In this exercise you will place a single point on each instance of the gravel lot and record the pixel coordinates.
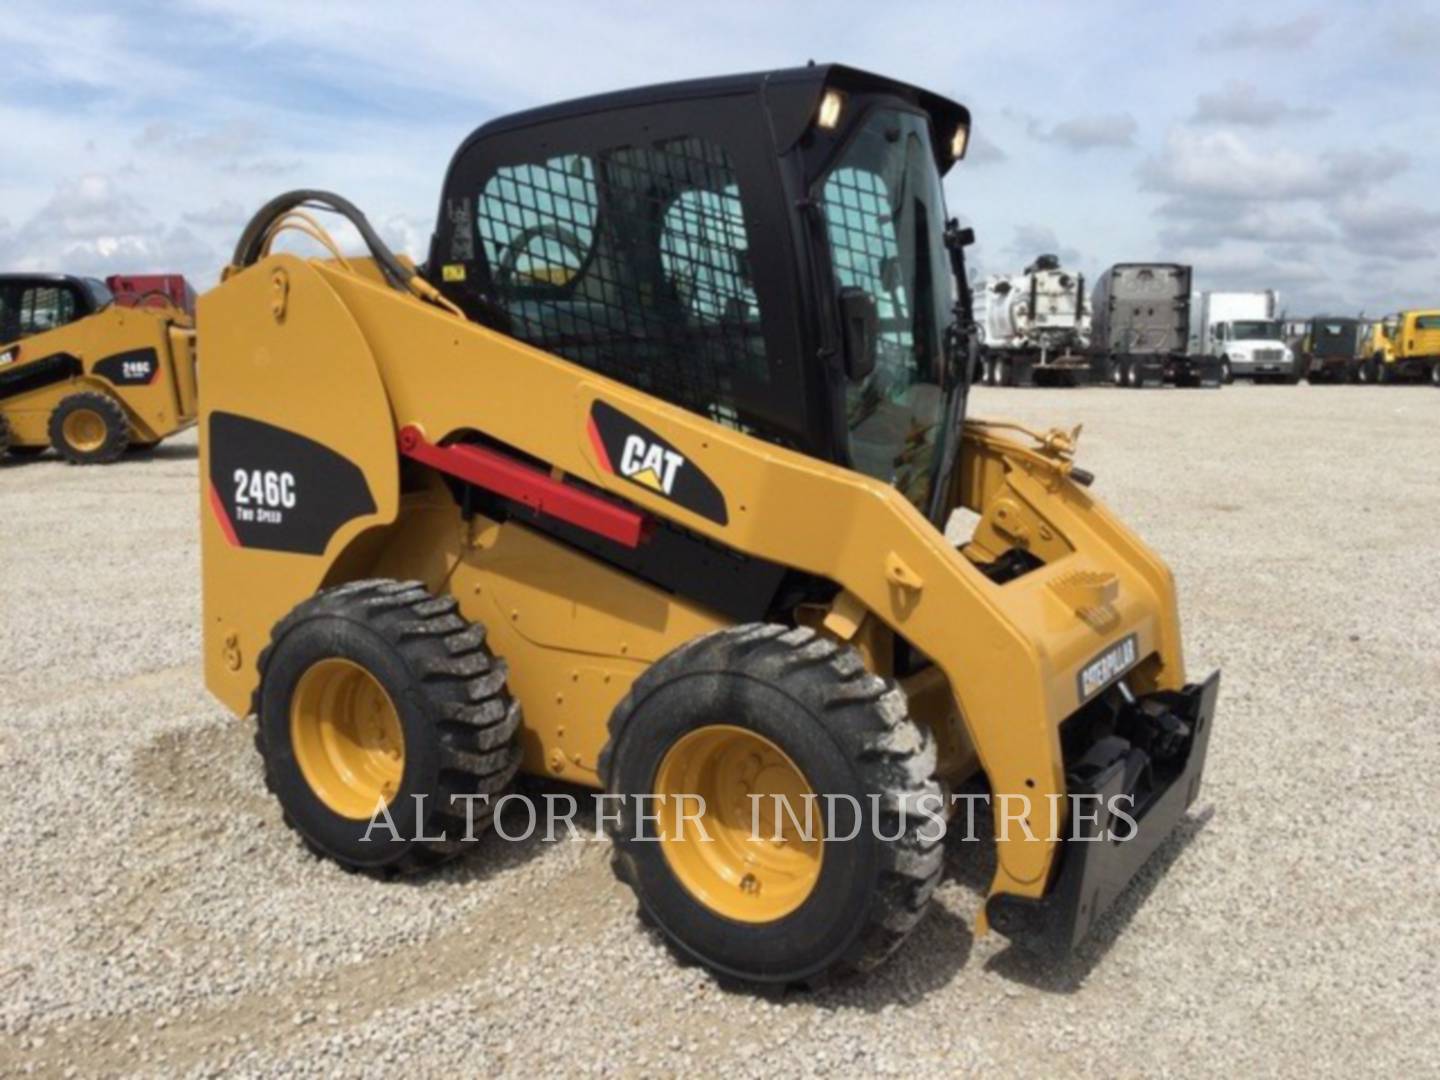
(159, 918)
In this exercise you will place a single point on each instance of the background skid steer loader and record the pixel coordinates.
(86, 375)
(659, 446)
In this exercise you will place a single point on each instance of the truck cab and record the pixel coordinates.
(1254, 348)
(1402, 347)
(1329, 348)
(1242, 332)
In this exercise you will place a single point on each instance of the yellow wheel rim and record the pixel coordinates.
(747, 874)
(84, 430)
(347, 738)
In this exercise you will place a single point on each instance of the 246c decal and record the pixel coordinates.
(138, 367)
(629, 449)
(279, 491)
(264, 494)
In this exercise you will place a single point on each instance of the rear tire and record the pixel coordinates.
(89, 428)
(1435, 374)
(357, 672)
(845, 732)
(1134, 375)
(1366, 371)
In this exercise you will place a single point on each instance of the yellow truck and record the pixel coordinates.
(1400, 347)
(87, 375)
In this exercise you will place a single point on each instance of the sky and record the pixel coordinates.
(1285, 146)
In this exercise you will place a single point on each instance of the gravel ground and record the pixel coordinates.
(158, 918)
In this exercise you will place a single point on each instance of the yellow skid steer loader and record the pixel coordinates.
(641, 483)
(87, 376)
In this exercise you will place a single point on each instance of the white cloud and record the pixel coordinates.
(1089, 132)
(1241, 103)
(91, 226)
(1032, 240)
(1223, 165)
(1388, 229)
(1293, 33)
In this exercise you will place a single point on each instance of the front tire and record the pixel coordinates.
(89, 428)
(764, 709)
(1435, 374)
(372, 694)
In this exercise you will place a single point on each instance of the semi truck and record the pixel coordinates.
(1400, 347)
(1329, 348)
(1244, 335)
(1140, 334)
(1036, 327)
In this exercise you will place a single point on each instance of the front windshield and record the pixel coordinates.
(885, 214)
(1335, 338)
(1256, 331)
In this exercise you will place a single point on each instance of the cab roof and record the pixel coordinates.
(791, 95)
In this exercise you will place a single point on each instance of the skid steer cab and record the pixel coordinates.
(87, 376)
(640, 483)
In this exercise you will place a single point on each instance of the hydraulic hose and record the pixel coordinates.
(252, 241)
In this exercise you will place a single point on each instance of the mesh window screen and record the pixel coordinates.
(634, 263)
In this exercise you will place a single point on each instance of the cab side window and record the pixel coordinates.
(537, 224)
(39, 308)
(633, 261)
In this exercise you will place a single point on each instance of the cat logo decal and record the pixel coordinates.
(626, 448)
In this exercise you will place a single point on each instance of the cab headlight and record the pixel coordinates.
(959, 141)
(831, 105)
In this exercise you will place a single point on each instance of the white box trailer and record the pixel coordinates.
(1243, 331)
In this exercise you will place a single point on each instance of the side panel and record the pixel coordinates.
(574, 631)
(297, 457)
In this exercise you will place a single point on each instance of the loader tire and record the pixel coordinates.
(375, 693)
(89, 428)
(766, 709)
